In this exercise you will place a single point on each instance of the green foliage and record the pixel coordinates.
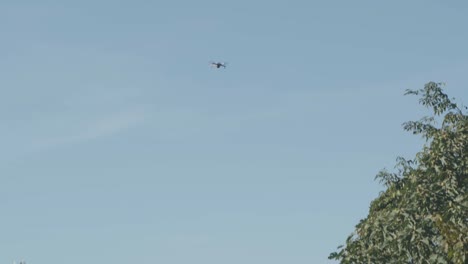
(422, 216)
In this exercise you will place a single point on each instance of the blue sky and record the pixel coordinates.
(119, 144)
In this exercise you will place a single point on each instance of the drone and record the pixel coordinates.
(218, 65)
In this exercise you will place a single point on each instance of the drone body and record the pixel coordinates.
(218, 65)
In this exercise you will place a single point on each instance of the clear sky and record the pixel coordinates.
(119, 144)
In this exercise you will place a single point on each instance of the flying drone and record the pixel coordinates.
(218, 65)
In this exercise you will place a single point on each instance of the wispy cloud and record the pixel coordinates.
(91, 130)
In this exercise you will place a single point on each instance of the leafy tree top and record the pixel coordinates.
(422, 216)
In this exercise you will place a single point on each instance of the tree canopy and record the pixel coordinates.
(422, 215)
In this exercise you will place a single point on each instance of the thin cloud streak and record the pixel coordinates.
(103, 127)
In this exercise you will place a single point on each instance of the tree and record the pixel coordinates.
(422, 216)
